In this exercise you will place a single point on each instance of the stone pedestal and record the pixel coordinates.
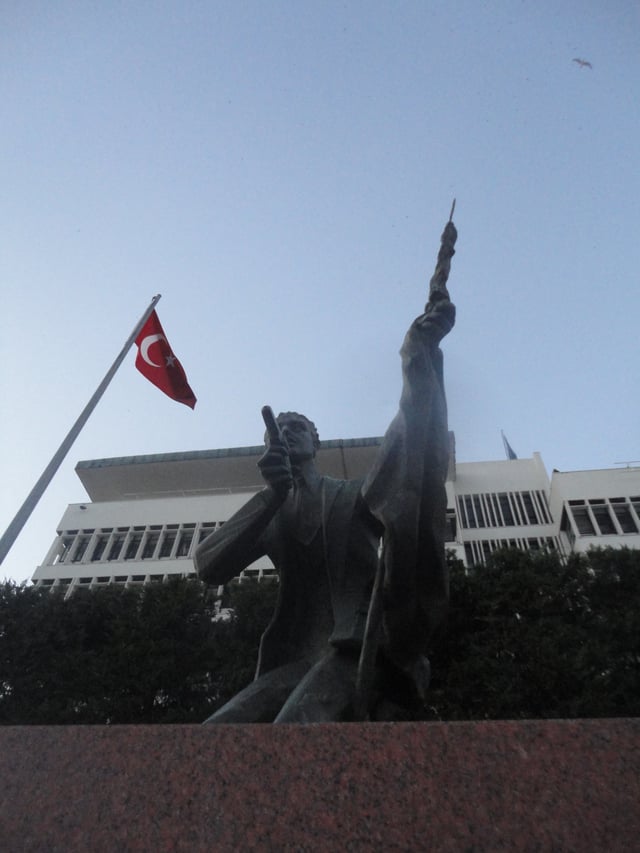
(538, 785)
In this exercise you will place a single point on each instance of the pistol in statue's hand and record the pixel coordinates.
(274, 464)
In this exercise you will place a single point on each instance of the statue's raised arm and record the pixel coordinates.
(405, 491)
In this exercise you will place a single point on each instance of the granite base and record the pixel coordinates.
(531, 785)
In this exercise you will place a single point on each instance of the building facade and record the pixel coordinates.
(146, 514)
(600, 507)
(501, 504)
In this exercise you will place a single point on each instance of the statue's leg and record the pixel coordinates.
(261, 700)
(326, 693)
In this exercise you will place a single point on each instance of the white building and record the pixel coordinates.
(498, 504)
(146, 514)
(599, 507)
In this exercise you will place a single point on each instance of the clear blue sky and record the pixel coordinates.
(281, 173)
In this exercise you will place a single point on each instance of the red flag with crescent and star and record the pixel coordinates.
(156, 361)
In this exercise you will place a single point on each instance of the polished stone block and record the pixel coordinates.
(528, 785)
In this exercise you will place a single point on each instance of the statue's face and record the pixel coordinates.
(298, 436)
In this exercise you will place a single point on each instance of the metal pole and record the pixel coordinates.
(13, 530)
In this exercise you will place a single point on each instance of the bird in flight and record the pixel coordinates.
(583, 63)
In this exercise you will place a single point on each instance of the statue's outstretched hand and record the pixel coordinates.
(274, 464)
(275, 468)
(449, 237)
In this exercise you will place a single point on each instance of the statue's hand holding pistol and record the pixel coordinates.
(275, 464)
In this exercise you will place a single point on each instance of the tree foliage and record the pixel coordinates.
(527, 636)
(158, 653)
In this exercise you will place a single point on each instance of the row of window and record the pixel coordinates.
(601, 517)
(476, 552)
(69, 585)
(63, 583)
(598, 516)
(503, 509)
(152, 542)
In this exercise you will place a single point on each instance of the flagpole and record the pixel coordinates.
(13, 530)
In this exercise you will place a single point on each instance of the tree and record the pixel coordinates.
(151, 654)
(251, 604)
(529, 636)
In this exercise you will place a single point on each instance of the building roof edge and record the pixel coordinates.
(216, 453)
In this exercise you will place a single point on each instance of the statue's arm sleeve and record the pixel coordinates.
(416, 445)
(234, 546)
(405, 491)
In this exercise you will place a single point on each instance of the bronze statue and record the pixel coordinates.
(363, 582)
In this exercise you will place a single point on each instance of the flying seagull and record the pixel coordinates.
(583, 63)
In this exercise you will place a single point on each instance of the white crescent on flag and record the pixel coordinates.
(146, 343)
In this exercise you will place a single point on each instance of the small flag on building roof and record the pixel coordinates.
(511, 454)
(156, 361)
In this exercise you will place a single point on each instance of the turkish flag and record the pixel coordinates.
(156, 361)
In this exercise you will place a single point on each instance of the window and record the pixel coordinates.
(132, 547)
(101, 544)
(116, 545)
(206, 528)
(505, 507)
(461, 512)
(516, 501)
(150, 542)
(529, 508)
(492, 510)
(168, 541)
(65, 547)
(625, 519)
(184, 540)
(468, 505)
(583, 521)
(604, 520)
(545, 515)
(450, 529)
(565, 526)
(81, 547)
(477, 505)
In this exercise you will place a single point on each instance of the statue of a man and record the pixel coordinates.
(340, 588)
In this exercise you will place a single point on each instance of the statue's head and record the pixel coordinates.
(300, 435)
